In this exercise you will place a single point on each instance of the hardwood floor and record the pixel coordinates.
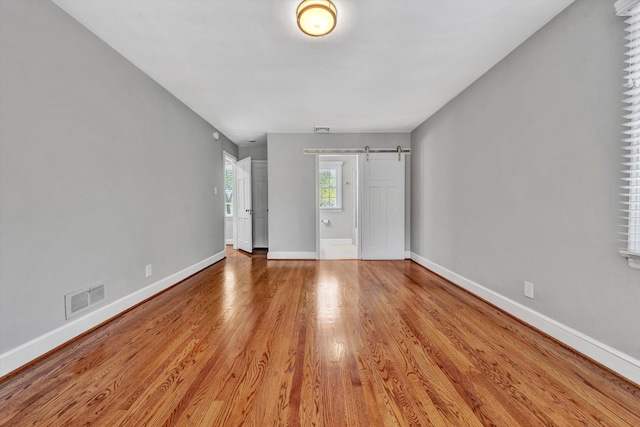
(272, 343)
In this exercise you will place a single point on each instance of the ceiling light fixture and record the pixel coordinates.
(316, 18)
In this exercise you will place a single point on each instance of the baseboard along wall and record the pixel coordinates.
(613, 359)
(27, 352)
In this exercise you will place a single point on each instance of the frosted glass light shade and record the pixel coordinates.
(316, 17)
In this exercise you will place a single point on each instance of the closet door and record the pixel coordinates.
(243, 205)
(260, 204)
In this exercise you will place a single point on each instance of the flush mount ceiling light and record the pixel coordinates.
(316, 18)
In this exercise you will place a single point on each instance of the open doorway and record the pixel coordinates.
(229, 211)
(338, 206)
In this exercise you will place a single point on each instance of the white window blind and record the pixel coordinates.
(631, 139)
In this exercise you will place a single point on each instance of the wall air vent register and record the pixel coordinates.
(82, 300)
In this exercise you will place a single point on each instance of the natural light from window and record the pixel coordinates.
(330, 185)
(228, 189)
(631, 139)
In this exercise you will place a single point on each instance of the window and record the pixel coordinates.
(228, 189)
(330, 185)
(631, 140)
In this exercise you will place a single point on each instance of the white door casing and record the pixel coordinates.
(383, 206)
(244, 205)
(231, 238)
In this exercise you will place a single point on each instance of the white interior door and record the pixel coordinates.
(243, 205)
(260, 204)
(383, 206)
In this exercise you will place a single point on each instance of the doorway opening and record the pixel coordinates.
(338, 206)
(229, 211)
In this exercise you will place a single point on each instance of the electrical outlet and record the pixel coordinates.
(147, 270)
(528, 290)
(215, 190)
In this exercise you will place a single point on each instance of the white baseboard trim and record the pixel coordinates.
(19, 356)
(407, 254)
(613, 359)
(291, 255)
(337, 241)
(228, 242)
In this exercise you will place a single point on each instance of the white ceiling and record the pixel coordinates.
(244, 66)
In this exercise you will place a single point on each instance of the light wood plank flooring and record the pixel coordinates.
(304, 343)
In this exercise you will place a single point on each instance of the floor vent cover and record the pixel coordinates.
(77, 302)
(321, 129)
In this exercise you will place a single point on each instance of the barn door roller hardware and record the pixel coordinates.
(365, 150)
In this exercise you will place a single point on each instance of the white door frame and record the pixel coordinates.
(317, 201)
(357, 200)
(361, 153)
(228, 157)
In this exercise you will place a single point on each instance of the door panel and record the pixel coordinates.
(260, 204)
(383, 206)
(243, 202)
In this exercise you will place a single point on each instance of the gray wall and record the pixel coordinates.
(341, 223)
(517, 178)
(255, 152)
(101, 172)
(229, 146)
(292, 203)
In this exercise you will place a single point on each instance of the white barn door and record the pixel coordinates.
(243, 205)
(383, 206)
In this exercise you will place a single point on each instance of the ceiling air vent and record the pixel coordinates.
(321, 129)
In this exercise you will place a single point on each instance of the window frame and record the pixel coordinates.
(337, 166)
(630, 211)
